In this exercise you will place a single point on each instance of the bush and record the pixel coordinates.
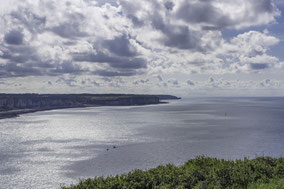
(201, 172)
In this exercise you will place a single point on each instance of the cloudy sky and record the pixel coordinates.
(180, 47)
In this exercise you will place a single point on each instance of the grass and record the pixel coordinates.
(273, 184)
(201, 172)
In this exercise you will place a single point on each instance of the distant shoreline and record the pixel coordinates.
(18, 112)
(14, 105)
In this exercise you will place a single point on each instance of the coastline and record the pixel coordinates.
(18, 112)
(13, 105)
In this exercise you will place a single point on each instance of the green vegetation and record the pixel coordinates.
(201, 172)
(273, 184)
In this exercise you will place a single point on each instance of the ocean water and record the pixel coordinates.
(47, 149)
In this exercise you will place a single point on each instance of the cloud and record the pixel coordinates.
(203, 12)
(141, 81)
(247, 52)
(24, 17)
(190, 83)
(160, 78)
(180, 37)
(14, 37)
(220, 14)
(162, 40)
(121, 46)
(268, 83)
(71, 27)
(71, 81)
(258, 66)
(106, 73)
(112, 61)
(173, 83)
(95, 83)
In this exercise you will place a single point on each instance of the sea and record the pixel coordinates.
(50, 149)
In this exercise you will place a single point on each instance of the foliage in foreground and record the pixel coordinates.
(201, 172)
(273, 184)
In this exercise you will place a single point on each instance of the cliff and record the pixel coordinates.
(167, 97)
(37, 101)
(12, 105)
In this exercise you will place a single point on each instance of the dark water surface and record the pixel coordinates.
(46, 149)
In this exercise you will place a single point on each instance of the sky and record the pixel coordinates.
(180, 47)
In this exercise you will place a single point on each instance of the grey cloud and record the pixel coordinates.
(255, 52)
(141, 81)
(2, 82)
(122, 57)
(265, 83)
(120, 46)
(71, 28)
(112, 61)
(106, 73)
(264, 5)
(14, 37)
(189, 82)
(67, 67)
(103, 2)
(24, 60)
(269, 83)
(68, 30)
(71, 81)
(213, 18)
(203, 12)
(21, 60)
(181, 37)
(21, 54)
(160, 78)
(177, 36)
(95, 83)
(29, 20)
(18, 85)
(258, 66)
(169, 5)
(32, 69)
(106, 79)
(174, 82)
(135, 20)
(18, 70)
(6, 54)
(117, 82)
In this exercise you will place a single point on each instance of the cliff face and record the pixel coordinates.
(167, 97)
(35, 101)
(128, 101)
(8, 103)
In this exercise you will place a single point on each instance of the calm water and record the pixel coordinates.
(46, 149)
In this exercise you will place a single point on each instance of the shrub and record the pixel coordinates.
(201, 172)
